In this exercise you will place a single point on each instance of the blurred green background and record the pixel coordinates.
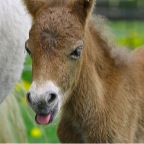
(127, 33)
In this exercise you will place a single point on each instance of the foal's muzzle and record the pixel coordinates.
(44, 101)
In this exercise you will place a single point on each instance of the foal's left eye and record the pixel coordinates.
(76, 53)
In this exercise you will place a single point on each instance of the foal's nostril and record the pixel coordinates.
(28, 97)
(52, 98)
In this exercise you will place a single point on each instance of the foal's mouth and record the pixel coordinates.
(47, 118)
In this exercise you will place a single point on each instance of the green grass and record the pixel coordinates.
(130, 34)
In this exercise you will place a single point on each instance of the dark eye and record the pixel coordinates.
(76, 53)
(28, 51)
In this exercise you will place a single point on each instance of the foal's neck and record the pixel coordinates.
(98, 54)
(99, 72)
(98, 77)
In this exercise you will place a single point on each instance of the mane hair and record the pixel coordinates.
(101, 26)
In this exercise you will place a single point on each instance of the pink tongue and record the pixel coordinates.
(43, 120)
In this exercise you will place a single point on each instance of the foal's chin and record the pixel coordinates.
(46, 117)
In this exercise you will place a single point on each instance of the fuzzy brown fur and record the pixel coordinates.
(105, 100)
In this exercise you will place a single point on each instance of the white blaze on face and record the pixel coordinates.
(40, 90)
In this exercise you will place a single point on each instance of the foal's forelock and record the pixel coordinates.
(63, 3)
(51, 3)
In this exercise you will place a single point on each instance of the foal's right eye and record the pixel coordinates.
(28, 51)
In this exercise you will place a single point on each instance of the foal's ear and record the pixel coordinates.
(34, 6)
(82, 8)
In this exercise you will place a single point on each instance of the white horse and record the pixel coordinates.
(14, 26)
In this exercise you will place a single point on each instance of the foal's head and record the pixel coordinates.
(56, 48)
